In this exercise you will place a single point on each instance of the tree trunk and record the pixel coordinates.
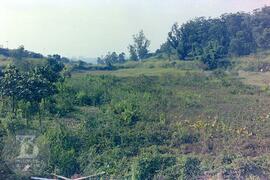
(13, 104)
(14, 110)
(39, 117)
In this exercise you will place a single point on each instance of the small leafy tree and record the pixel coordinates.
(11, 85)
(212, 55)
(36, 88)
(175, 40)
(133, 53)
(121, 57)
(190, 168)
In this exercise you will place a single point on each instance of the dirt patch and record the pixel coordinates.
(255, 78)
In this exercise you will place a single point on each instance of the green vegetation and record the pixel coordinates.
(153, 117)
(169, 123)
(212, 40)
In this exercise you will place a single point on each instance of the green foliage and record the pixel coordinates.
(137, 125)
(29, 89)
(261, 30)
(36, 87)
(145, 120)
(112, 58)
(232, 34)
(83, 99)
(132, 108)
(212, 56)
(51, 71)
(184, 136)
(12, 85)
(139, 50)
(11, 124)
(191, 38)
(148, 164)
(190, 168)
(127, 112)
(63, 150)
(63, 102)
(240, 46)
(93, 90)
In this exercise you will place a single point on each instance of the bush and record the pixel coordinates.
(147, 165)
(219, 73)
(190, 168)
(93, 90)
(184, 136)
(12, 124)
(83, 99)
(64, 101)
(63, 150)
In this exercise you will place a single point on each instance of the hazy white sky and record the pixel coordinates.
(93, 27)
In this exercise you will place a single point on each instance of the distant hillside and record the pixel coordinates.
(85, 59)
(25, 59)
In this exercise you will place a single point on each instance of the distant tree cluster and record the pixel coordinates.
(112, 58)
(138, 51)
(212, 39)
(58, 58)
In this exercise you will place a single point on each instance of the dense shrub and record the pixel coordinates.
(64, 101)
(63, 150)
(184, 135)
(147, 165)
(93, 90)
(190, 168)
(83, 99)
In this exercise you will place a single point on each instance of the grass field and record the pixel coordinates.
(236, 102)
(220, 117)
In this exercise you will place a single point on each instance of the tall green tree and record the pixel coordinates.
(239, 28)
(234, 34)
(261, 27)
(140, 49)
(176, 41)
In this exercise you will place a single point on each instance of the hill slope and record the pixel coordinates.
(154, 119)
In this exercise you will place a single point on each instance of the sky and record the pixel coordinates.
(91, 28)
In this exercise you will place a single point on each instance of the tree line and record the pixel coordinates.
(111, 58)
(211, 40)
